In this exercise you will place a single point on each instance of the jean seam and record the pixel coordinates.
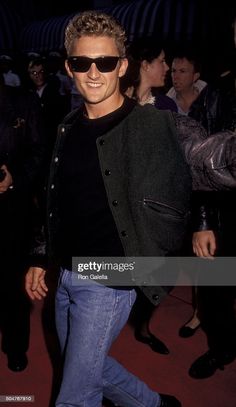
(101, 342)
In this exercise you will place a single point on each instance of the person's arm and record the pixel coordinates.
(204, 223)
(213, 162)
(35, 285)
(27, 168)
(212, 159)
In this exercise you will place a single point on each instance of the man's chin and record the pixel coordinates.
(92, 100)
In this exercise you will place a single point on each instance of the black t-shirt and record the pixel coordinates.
(87, 227)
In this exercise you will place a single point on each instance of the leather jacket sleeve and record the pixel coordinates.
(212, 159)
(204, 211)
(213, 162)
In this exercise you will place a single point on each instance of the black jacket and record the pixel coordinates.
(148, 185)
(22, 150)
(215, 109)
(22, 138)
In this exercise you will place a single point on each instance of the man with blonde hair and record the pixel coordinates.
(118, 187)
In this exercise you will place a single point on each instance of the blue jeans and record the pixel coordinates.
(89, 318)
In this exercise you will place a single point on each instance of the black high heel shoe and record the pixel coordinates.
(155, 344)
(187, 331)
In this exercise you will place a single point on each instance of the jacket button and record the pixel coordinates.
(115, 202)
(107, 172)
(102, 142)
(123, 233)
(155, 297)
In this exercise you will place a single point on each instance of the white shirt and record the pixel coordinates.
(11, 79)
(199, 85)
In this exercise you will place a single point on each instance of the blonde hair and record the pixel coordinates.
(89, 23)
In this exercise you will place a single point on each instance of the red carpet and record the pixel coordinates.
(167, 374)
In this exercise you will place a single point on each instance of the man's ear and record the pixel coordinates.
(196, 76)
(123, 67)
(69, 72)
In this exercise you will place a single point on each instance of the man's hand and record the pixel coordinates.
(7, 182)
(35, 284)
(204, 243)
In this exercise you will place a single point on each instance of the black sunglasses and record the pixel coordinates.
(83, 64)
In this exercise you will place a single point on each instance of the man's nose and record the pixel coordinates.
(93, 71)
(175, 76)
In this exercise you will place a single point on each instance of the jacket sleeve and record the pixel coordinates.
(213, 162)
(212, 159)
(38, 256)
(204, 211)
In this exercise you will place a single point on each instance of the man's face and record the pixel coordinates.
(98, 88)
(183, 74)
(37, 75)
